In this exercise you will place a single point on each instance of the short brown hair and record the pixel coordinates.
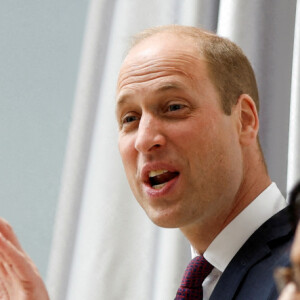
(228, 67)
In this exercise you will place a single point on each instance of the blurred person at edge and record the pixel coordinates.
(291, 276)
(187, 108)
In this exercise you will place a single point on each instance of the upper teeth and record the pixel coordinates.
(157, 172)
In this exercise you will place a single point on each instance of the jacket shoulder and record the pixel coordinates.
(250, 273)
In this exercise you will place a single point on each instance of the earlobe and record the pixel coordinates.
(249, 122)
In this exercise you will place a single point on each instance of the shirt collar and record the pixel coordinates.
(227, 243)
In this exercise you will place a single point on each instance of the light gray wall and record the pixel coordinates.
(40, 44)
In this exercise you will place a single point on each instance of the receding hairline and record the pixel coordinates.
(180, 31)
(187, 31)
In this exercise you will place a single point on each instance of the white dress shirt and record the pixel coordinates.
(227, 243)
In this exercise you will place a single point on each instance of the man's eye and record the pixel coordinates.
(129, 119)
(174, 107)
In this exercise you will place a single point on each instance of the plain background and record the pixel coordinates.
(40, 46)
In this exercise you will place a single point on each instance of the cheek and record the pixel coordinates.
(127, 152)
(194, 138)
(206, 144)
(190, 131)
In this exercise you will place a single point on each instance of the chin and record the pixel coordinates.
(165, 224)
(165, 219)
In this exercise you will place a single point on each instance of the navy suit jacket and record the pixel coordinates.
(249, 275)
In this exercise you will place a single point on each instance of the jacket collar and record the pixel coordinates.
(258, 246)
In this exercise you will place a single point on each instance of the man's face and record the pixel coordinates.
(181, 153)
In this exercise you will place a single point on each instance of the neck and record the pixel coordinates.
(201, 235)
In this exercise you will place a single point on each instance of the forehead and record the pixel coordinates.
(165, 59)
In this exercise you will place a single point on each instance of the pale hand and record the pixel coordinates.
(19, 277)
(289, 293)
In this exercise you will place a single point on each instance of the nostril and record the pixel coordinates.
(146, 141)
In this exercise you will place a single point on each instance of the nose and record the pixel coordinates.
(149, 134)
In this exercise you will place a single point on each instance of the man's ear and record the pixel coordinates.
(248, 119)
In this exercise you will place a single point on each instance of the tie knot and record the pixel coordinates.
(196, 272)
(194, 275)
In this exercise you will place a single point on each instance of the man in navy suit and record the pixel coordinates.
(187, 109)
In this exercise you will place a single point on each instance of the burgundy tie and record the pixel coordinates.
(194, 275)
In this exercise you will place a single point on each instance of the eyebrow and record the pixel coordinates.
(122, 100)
(165, 86)
(169, 86)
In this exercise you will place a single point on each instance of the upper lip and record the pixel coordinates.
(155, 166)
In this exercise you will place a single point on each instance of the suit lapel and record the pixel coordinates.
(258, 246)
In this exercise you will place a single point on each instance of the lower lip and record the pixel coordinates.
(164, 191)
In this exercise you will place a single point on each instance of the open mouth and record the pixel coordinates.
(159, 178)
